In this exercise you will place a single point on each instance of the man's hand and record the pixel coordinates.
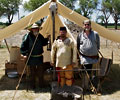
(73, 64)
(52, 64)
(23, 58)
(48, 36)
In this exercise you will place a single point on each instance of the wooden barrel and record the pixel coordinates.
(66, 92)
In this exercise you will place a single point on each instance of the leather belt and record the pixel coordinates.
(94, 57)
(36, 55)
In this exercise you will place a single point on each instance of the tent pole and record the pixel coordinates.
(7, 45)
(53, 0)
(53, 20)
(53, 9)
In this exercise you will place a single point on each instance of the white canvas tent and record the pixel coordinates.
(47, 25)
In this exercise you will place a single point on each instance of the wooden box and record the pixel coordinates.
(10, 67)
(21, 66)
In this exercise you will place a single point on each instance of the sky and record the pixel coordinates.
(22, 12)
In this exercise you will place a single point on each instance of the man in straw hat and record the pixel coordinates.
(63, 57)
(88, 45)
(35, 50)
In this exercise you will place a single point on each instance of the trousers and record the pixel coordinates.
(36, 75)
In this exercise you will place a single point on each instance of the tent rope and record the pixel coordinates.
(25, 67)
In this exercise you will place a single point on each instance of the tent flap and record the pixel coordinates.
(78, 19)
(47, 26)
(26, 21)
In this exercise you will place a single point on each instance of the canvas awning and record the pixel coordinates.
(47, 26)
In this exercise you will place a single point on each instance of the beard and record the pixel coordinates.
(35, 33)
(87, 29)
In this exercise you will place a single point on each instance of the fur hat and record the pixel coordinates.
(63, 29)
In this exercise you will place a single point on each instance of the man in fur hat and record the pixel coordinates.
(32, 45)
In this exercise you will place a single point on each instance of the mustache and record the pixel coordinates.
(36, 32)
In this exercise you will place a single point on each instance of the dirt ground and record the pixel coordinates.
(110, 87)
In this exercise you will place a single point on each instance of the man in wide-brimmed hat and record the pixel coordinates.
(34, 26)
(36, 58)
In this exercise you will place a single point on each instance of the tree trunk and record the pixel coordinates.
(10, 18)
(116, 20)
(116, 24)
(106, 24)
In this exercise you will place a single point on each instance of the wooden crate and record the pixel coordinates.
(10, 67)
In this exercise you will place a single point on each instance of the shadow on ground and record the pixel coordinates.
(112, 81)
(110, 85)
(7, 83)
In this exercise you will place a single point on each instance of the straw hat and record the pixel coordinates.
(34, 26)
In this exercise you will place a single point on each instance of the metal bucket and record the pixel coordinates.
(13, 74)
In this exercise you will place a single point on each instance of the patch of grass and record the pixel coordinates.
(113, 27)
(3, 46)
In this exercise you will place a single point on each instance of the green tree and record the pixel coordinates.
(105, 12)
(114, 9)
(1, 11)
(68, 3)
(9, 8)
(31, 5)
(86, 7)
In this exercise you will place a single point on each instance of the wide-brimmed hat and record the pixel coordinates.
(34, 26)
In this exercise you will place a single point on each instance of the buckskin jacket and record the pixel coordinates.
(36, 57)
(63, 53)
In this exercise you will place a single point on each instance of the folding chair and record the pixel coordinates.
(104, 65)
